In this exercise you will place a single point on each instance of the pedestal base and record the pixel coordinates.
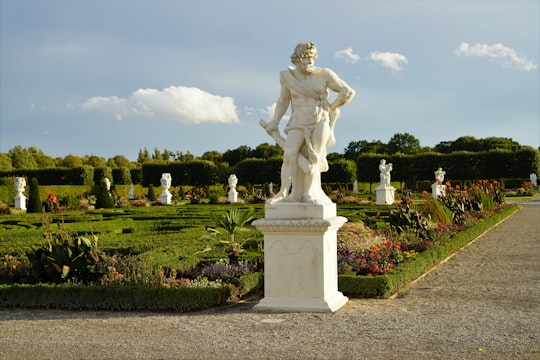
(438, 190)
(385, 195)
(20, 201)
(300, 258)
(165, 198)
(233, 196)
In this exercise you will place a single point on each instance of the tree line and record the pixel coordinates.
(400, 143)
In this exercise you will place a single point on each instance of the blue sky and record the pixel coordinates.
(109, 78)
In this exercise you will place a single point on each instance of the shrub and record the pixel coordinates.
(34, 202)
(151, 193)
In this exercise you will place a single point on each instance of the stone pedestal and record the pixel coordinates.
(165, 197)
(233, 196)
(300, 257)
(385, 195)
(438, 190)
(20, 201)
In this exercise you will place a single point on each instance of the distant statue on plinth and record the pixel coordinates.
(233, 194)
(166, 181)
(438, 188)
(533, 179)
(310, 128)
(385, 191)
(20, 199)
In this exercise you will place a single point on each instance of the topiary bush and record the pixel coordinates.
(34, 201)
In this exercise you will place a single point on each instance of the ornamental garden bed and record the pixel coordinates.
(191, 257)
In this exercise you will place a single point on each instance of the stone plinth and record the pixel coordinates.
(233, 196)
(385, 195)
(20, 201)
(165, 197)
(300, 258)
(438, 190)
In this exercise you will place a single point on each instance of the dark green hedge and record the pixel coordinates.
(79, 297)
(83, 175)
(495, 164)
(402, 275)
(196, 172)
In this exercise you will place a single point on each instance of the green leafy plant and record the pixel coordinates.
(228, 227)
(63, 258)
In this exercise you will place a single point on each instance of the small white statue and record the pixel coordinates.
(20, 199)
(166, 196)
(166, 181)
(20, 184)
(233, 194)
(385, 170)
(533, 179)
(439, 175)
(310, 129)
(233, 181)
(107, 183)
(131, 192)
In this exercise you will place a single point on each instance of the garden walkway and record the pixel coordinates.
(483, 303)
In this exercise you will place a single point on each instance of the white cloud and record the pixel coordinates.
(182, 104)
(506, 56)
(348, 55)
(393, 61)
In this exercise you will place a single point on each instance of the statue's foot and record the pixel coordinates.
(278, 197)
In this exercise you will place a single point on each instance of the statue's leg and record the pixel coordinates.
(312, 183)
(289, 169)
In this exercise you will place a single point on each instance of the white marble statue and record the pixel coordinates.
(107, 184)
(20, 199)
(20, 184)
(131, 192)
(385, 170)
(533, 179)
(311, 126)
(439, 175)
(233, 181)
(233, 194)
(166, 181)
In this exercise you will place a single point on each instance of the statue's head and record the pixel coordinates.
(304, 50)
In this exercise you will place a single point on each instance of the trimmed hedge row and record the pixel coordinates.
(125, 298)
(406, 272)
(111, 297)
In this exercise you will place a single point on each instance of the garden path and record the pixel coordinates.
(483, 303)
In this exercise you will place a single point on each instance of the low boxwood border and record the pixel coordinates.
(125, 298)
(111, 297)
(396, 279)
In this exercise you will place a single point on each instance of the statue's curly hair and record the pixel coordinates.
(302, 50)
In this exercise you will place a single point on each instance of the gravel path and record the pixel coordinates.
(483, 303)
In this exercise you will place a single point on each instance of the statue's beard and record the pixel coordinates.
(308, 69)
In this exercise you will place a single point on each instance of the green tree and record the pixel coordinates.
(404, 143)
(95, 161)
(143, 157)
(213, 156)
(21, 158)
(233, 157)
(5, 162)
(72, 161)
(34, 201)
(267, 151)
(119, 161)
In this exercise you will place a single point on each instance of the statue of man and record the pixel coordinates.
(439, 175)
(385, 170)
(311, 126)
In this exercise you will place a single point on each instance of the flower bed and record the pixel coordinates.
(420, 238)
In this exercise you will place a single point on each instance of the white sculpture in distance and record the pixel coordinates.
(166, 181)
(385, 191)
(20, 199)
(233, 194)
(438, 188)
